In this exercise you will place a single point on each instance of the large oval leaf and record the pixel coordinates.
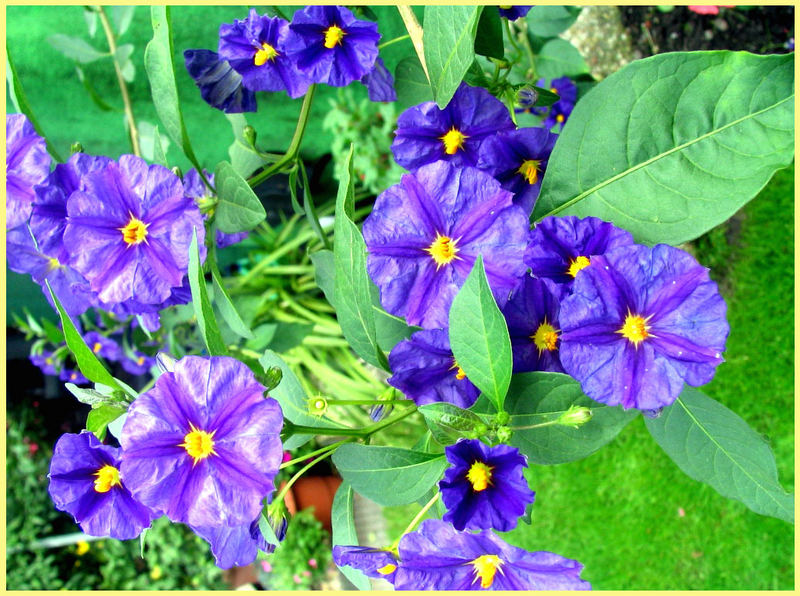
(449, 39)
(713, 445)
(388, 475)
(671, 146)
(538, 397)
(343, 531)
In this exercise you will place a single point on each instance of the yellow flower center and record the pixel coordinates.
(81, 548)
(530, 170)
(553, 90)
(479, 476)
(387, 569)
(265, 54)
(107, 476)
(485, 568)
(635, 329)
(453, 140)
(560, 118)
(97, 347)
(579, 263)
(140, 360)
(505, 7)
(333, 36)
(53, 264)
(198, 443)
(460, 374)
(443, 250)
(135, 232)
(545, 337)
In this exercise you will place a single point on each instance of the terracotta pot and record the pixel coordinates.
(316, 492)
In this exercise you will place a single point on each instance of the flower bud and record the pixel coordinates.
(76, 147)
(272, 377)
(653, 413)
(249, 134)
(177, 171)
(502, 418)
(504, 434)
(526, 97)
(317, 406)
(575, 416)
(165, 362)
(380, 411)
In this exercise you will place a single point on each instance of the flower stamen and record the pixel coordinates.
(635, 329)
(530, 170)
(134, 232)
(198, 443)
(545, 337)
(333, 36)
(443, 250)
(453, 140)
(486, 567)
(107, 476)
(266, 54)
(479, 476)
(577, 264)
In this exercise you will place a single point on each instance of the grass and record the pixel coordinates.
(627, 512)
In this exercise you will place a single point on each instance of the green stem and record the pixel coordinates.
(410, 527)
(386, 44)
(529, 52)
(540, 425)
(511, 36)
(363, 402)
(294, 146)
(331, 447)
(123, 88)
(288, 485)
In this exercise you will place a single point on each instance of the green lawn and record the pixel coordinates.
(627, 512)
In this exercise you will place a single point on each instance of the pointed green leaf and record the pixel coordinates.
(388, 475)
(239, 209)
(223, 301)
(206, 321)
(99, 418)
(539, 397)
(410, 82)
(449, 41)
(122, 17)
(489, 38)
(713, 445)
(448, 423)
(479, 337)
(343, 532)
(671, 146)
(351, 282)
(75, 48)
(559, 58)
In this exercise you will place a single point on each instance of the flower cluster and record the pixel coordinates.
(322, 44)
(201, 447)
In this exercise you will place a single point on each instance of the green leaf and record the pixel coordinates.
(164, 89)
(410, 82)
(243, 159)
(449, 40)
(93, 95)
(479, 337)
(538, 397)
(20, 101)
(292, 398)
(87, 362)
(223, 301)
(91, 397)
(343, 531)
(448, 423)
(489, 38)
(153, 143)
(99, 418)
(351, 282)
(206, 322)
(549, 21)
(121, 17)
(239, 209)
(288, 335)
(159, 155)
(671, 146)
(711, 444)
(388, 475)
(559, 58)
(76, 48)
(54, 334)
(324, 273)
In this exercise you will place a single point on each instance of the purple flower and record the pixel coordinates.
(149, 312)
(512, 13)
(220, 86)
(426, 134)
(49, 216)
(559, 247)
(194, 188)
(27, 164)
(532, 317)
(256, 48)
(640, 322)
(139, 364)
(560, 110)
(484, 486)
(439, 557)
(75, 376)
(103, 346)
(380, 83)
(203, 445)
(424, 235)
(518, 160)
(372, 562)
(424, 369)
(330, 45)
(235, 546)
(46, 363)
(71, 287)
(85, 482)
(129, 231)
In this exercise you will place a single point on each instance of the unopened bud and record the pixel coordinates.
(502, 417)
(504, 434)
(575, 416)
(272, 377)
(249, 134)
(526, 97)
(165, 362)
(76, 147)
(480, 430)
(317, 406)
(177, 171)
(381, 410)
(653, 413)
